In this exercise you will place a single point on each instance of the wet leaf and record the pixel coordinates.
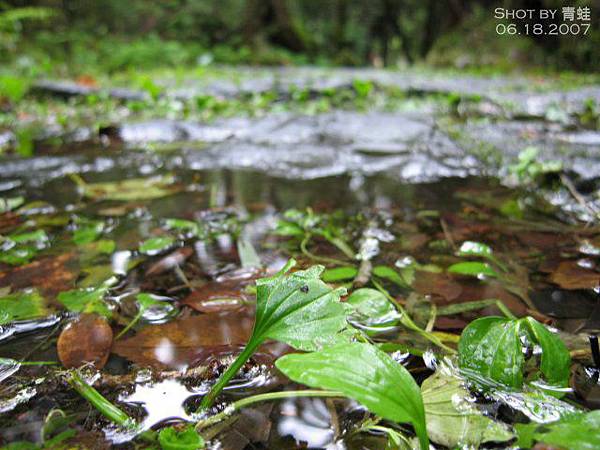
(248, 256)
(473, 269)
(214, 295)
(19, 249)
(86, 300)
(339, 274)
(371, 308)
(21, 306)
(575, 432)
(87, 339)
(472, 248)
(452, 418)
(128, 190)
(298, 309)
(491, 347)
(10, 203)
(187, 439)
(175, 344)
(50, 275)
(87, 231)
(391, 275)
(156, 245)
(440, 284)
(570, 275)
(366, 374)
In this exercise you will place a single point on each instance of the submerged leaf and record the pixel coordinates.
(339, 274)
(86, 300)
(21, 306)
(128, 190)
(87, 339)
(452, 419)
(156, 245)
(187, 439)
(576, 432)
(366, 374)
(491, 347)
(473, 269)
(371, 308)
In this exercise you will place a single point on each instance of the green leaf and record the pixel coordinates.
(128, 190)
(89, 300)
(491, 347)
(556, 361)
(473, 268)
(156, 245)
(391, 275)
(188, 439)
(285, 228)
(298, 309)
(371, 308)
(21, 306)
(452, 419)
(295, 308)
(21, 248)
(87, 231)
(574, 432)
(8, 204)
(366, 374)
(339, 274)
(472, 248)
(248, 256)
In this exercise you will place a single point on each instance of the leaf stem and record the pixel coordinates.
(133, 321)
(408, 322)
(235, 406)
(239, 362)
(314, 257)
(106, 408)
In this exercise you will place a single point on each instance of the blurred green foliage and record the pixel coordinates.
(99, 36)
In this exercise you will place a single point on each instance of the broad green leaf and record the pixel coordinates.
(182, 224)
(21, 306)
(492, 348)
(156, 245)
(371, 308)
(339, 274)
(452, 419)
(285, 228)
(575, 432)
(87, 231)
(556, 360)
(366, 374)
(295, 308)
(471, 248)
(298, 309)
(187, 439)
(390, 274)
(86, 300)
(473, 268)
(8, 204)
(248, 256)
(128, 190)
(20, 248)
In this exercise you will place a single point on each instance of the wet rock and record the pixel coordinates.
(87, 339)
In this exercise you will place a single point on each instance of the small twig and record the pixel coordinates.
(566, 181)
(447, 234)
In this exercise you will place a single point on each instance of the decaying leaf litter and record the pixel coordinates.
(145, 305)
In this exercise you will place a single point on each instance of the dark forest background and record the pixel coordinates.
(114, 35)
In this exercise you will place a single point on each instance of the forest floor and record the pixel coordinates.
(159, 184)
